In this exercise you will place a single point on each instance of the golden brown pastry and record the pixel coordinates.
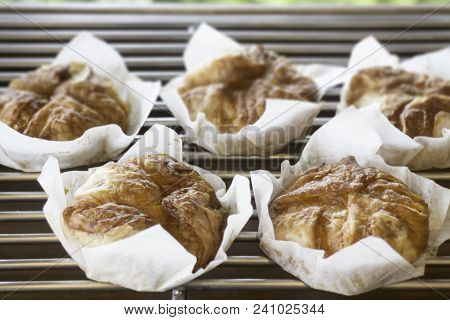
(101, 95)
(121, 199)
(61, 102)
(331, 207)
(426, 116)
(45, 79)
(415, 103)
(17, 107)
(232, 89)
(63, 118)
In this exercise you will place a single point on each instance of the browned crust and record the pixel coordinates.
(231, 91)
(409, 100)
(141, 192)
(17, 107)
(418, 118)
(331, 207)
(70, 108)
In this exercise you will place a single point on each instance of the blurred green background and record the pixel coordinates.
(273, 2)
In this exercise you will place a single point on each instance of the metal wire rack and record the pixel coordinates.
(33, 264)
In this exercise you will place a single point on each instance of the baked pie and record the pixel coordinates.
(121, 199)
(331, 207)
(61, 102)
(231, 90)
(417, 104)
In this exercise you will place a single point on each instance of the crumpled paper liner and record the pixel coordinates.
(283, 120)
(151, 260)
(421, 152)
(371, 262)
(97, 144)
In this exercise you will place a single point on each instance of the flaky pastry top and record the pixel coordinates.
(121, 199)
(52, 103)
(330, 207)
(231, 90)
(417, 104)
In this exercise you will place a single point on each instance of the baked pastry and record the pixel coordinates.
(60, 102)
(18, 107)
(121, 199)
(63, 118)
(331, 207)
(426, 116)
(231, 90)
(45, 79)
(416, 104)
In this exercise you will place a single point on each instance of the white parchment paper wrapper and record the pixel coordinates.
(96, 144)
(151, 260)
(282, 121)
(371, 262)
(420, 152)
